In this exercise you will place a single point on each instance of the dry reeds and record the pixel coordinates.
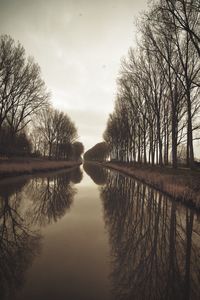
(29, 167)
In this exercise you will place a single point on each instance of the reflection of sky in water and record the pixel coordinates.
(87, 181)
(74, 261)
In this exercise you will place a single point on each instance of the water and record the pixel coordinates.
(94, 234)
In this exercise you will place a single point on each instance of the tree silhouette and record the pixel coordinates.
(58, 133)
(22, 91)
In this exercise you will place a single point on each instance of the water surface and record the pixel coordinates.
(95, 234)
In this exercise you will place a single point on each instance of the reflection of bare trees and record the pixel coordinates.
(18, 243)
(155, 243)
(41, 201)
(52, 196)
(97, 173)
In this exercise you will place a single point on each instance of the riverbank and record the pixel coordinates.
(181, 184)
(27, 167)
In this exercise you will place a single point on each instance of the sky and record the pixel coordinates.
(79, 45)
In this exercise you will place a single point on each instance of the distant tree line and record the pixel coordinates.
(29, 125)
(99, 152)
(156, 115)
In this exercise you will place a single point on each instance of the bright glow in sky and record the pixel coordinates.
(79, 45)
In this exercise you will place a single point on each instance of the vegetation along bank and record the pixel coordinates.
(14, 168)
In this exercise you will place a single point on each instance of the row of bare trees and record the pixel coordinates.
(156, 112)
(28, 122)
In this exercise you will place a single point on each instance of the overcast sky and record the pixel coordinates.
(79, 45)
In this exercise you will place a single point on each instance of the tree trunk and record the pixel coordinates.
(174, 140)
(189, 133)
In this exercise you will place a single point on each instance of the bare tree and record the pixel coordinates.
(22, 91)
(186, 14)
(58, 132)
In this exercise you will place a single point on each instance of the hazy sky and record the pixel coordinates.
(78, 45)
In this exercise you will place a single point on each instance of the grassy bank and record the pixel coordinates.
(181, 184)
(14, 168)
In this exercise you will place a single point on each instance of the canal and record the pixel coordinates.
(95, 234)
